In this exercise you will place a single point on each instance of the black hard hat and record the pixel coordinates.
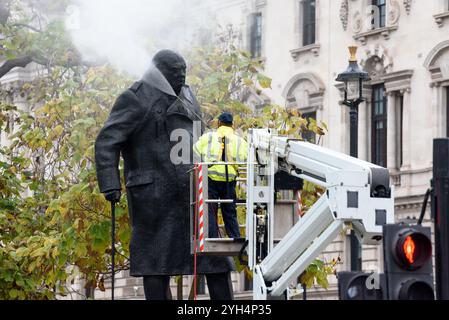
(226, 118)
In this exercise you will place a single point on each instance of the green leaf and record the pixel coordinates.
(38, 252)
(321, 279)
(81, 250)
(13, 294)
(264, 81)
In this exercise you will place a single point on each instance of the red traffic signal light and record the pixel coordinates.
(408, 262)
(409, 249)
(413, 250)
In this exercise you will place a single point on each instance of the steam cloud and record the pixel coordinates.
(129, 32)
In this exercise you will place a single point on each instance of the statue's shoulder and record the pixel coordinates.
(129, 96)
(136, 86)
(143, 91)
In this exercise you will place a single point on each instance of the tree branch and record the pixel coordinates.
(11, 64)
(25, 60)
(26, 26)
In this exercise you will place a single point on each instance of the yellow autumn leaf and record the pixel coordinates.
(58, 130)
(55, 252)
(38, 252)
(63, 211)
(248, 82)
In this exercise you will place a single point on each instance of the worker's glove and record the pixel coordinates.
(113, 196)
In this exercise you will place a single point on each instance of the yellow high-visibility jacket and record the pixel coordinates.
(210, 148)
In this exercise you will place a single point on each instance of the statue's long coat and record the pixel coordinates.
(139, 128)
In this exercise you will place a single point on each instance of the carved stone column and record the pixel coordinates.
(438, 111)
(363, 131)
(391, 130)
(407, 130)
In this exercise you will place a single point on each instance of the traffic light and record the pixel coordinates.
(361, 286)
(408, 262)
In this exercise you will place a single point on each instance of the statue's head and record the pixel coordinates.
(173, 67)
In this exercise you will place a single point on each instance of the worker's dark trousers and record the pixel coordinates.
(219, 190)
(219, 284)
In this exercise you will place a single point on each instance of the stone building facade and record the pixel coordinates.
(403, 45)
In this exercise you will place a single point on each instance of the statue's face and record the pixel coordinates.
(173, 67)
(176, 76)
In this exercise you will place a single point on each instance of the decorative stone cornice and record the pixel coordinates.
(312, 48)
(440, 18)
(405, 90)
(260, 3)
(408, 206)
(397, 81)
(390, 93)
(384, 32)
(435, 84)
(413, 202)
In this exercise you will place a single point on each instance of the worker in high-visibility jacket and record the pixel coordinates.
(222, 145)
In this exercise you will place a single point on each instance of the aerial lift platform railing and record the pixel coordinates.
(358, 193)
(284, 219)
(212, 246)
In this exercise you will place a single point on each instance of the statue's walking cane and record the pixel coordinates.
(113, 249)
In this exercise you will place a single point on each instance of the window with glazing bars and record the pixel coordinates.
(379, 126)
(400, 133)
(447, 111)
(256, 35)
(379, 17)
(309, 22)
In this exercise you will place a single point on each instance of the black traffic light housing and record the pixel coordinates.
(408, 262)
(361, 286)
(440, 215)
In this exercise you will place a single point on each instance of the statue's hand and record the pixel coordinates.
(113, 196)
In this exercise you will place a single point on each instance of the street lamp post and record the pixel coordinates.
(353, 78)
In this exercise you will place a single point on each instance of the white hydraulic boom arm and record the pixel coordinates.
(357, 192)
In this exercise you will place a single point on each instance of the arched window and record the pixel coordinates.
(437, 63)
(305, 92)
